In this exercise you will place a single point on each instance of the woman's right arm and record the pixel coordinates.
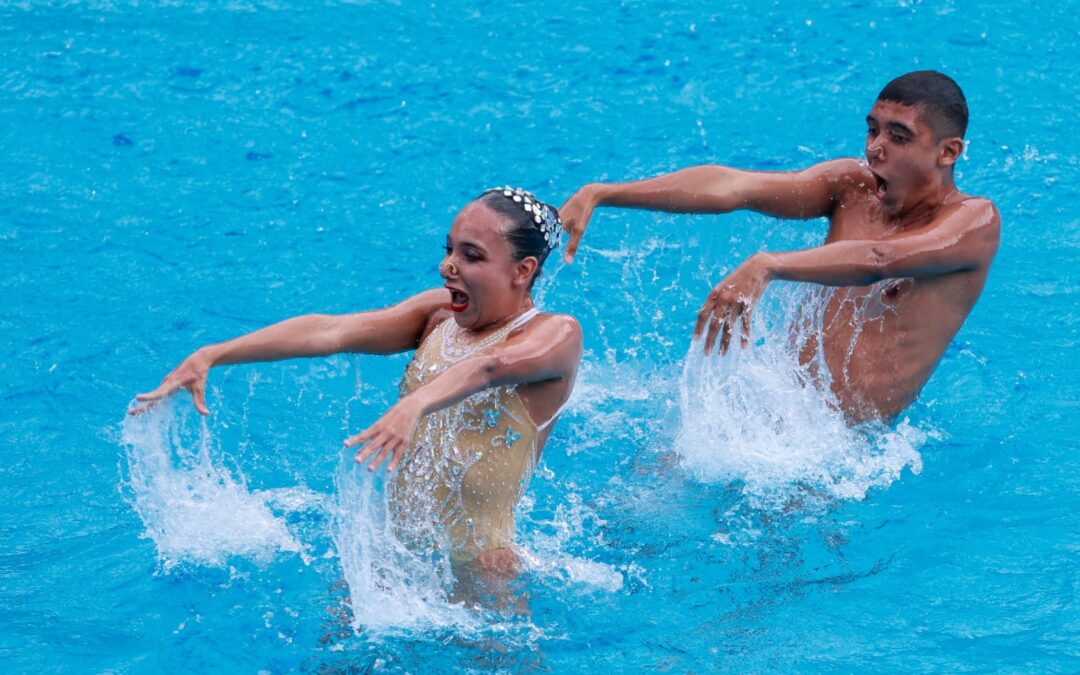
(385, 331)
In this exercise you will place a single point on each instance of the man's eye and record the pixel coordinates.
(898, 138)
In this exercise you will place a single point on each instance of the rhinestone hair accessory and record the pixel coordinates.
(543, 216)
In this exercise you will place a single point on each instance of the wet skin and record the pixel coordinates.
(896, 218)
(485, 289)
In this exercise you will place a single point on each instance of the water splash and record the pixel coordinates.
(194, 508)
(546, 547)
(393, 588)
(756, 417)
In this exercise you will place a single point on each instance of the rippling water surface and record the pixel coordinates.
(179, 173)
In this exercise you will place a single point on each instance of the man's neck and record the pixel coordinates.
(927, 206)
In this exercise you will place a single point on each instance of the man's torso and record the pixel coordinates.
(881, 342)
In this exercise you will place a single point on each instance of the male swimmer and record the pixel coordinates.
(489, 376)
(902, 239)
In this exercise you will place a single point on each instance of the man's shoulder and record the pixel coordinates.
(977, 212)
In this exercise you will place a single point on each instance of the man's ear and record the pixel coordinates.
(949, 150)
(524, 270)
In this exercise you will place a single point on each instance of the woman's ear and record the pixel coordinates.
(524, 270)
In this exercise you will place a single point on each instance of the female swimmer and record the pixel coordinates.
(489, 376)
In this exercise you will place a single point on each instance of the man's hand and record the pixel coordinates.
(575, 215)
(390, 435)
(190, 374)
(732, 301)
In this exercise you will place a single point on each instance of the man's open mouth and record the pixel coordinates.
(882, 186)
(459, 300)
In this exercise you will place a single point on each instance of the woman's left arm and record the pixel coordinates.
(549, 350)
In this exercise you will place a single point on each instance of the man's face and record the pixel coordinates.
(902, 155)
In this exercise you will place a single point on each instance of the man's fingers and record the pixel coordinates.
(162, 390)
(746, 316)
(714, 330)
(198, 393)
(702, 319)
(139, 410)
(572, 245)
(726, 329)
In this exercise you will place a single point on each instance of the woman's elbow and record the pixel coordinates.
(495, 369)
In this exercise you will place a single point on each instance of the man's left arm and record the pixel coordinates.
(963, 238)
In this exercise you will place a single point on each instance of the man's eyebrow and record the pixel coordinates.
(901, 127)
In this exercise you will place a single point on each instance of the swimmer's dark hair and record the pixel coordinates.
(944, 108)
(522, 233)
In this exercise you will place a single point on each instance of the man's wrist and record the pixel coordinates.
(768, 263)
(209, 355)
(596, 193)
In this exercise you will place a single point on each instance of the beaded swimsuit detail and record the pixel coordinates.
(468, 464)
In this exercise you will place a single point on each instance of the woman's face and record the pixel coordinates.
(485, 283)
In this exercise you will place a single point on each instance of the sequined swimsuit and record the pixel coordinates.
(468, 464)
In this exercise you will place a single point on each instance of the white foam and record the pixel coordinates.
(544, 548)
(194, 508)
(391, 587)
(755, 416)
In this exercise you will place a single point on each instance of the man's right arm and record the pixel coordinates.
(384, 331)
(810, 193)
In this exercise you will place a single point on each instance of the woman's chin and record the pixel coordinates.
(465, 317)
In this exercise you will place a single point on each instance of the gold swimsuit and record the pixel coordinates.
(468, 464)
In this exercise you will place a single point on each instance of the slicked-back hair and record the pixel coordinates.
(521, 232)
(942, 103)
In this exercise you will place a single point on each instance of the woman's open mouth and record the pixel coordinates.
(459, 301)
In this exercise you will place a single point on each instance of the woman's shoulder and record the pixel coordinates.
(563, 323)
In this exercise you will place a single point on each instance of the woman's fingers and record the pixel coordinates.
(378, 446)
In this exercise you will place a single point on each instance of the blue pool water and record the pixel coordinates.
(179, 173)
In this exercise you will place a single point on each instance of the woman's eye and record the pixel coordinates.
(448, 250)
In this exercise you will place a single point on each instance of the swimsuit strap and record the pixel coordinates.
(551, 419)
(454, 352)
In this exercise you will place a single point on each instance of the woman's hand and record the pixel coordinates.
(390, 435)
(732, 300)
(190, 374)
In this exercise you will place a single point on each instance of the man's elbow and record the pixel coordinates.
(882, 264)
